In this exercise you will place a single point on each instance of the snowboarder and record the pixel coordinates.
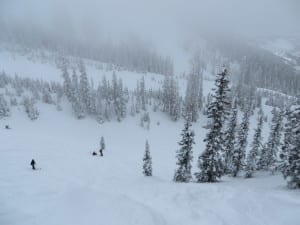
(32, 164)
(94, 153)
(101, 152)
(7, 127)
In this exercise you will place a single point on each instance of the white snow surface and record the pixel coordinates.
(28, 66)
(72, 187)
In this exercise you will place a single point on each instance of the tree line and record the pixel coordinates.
(226, 142)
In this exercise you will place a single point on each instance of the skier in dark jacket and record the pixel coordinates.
(32, 164)
(101, 152)
(94, 153)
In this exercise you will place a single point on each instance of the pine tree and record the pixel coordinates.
(121, 101)
(291, 160)
(77, 105)
(145, 120)
(241, 144)
(47, 96)
(13, 101)
(105, 93)
(176, 103)
(170, 97)
(147, 159)
(99, 105)
(273, 144)
(166, 94)
(78, 109)
(251, 163)
(193, 96)
(118, 98)
(67, 86)
(132, 106)
(138, 102)
(287, 132)
(30, 109)
(142, 94)
(210, 161)
(185, 154)
(4, 80)
(84, 90)
(229, 139)
(58, 103)
(74, 83)
(4, 109)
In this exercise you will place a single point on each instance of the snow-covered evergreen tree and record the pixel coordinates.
(176, 108)
(58, 102)
(30, 109)
(291, 155)
(78, 109)
(84, 88)
(252, 157)
(77, 105)
(193, 97)
(229, 139)
(132, 106)
(74, 84)
(210, 161)
(121, 101)
(67, 86)
(138, 102)
(145, 120)
(99, 105)
(287, 136)
(268, 159)
(13, 101)
(4, 80)
(118, 99)
(142, 94)
(147, 161)
(47, 98)
(4, 108)
(92, 98)
(170, 97)
(241, 144)
(185, 154)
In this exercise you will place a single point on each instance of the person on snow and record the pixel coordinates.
(32, 164)
(101, 152)
(94, 153)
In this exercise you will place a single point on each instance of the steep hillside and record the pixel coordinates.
(70, 186)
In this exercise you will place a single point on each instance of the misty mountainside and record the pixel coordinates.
(41, 96)
(288, 49)
(153, 131)
(256, 62)
(56, 74)
(161, 112)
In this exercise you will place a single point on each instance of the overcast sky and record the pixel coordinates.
(154, 20)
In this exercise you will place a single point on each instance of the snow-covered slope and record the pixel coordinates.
(29, 65)
(287, 49)
(73, 187)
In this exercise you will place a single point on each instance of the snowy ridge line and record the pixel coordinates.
(272, 92)
(138, 60)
